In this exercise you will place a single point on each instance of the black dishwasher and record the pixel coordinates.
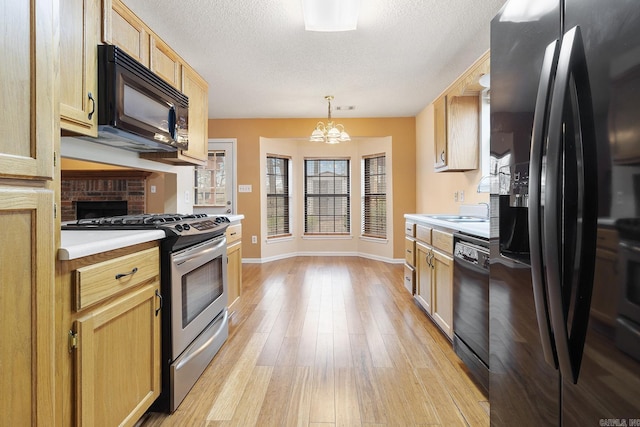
(471, 305)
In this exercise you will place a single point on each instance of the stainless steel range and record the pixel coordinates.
(194, 289)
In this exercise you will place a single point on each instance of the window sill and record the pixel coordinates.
(271, 240)
(327, 237)
(374, 239)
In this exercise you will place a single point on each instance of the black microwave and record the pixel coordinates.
(137, 110)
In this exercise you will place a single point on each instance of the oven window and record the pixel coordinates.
(200, 288)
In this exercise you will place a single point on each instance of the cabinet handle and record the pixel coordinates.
(93, 105)
(161, 302)
(442, 156)
(121, 275)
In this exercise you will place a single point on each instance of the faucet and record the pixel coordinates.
(487, 205)
(483, 186)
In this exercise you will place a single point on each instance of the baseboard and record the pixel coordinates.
(325, 254)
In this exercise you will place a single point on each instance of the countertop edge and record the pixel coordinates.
(481, 230)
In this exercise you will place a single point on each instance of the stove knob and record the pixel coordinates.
(186, 227)
(178, 227)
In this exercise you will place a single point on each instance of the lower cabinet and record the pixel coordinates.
(434, 279)
(118, 359)
(109, 309)
(234, 263)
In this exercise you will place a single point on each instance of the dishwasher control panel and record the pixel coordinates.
(472, 253)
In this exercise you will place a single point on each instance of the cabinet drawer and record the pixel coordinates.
(410, 229)
(97, 282)
(410, 250)
(234, 232)
(442, 241)
(409, 279)
(423, 233)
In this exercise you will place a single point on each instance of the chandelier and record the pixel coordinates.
(330, 133)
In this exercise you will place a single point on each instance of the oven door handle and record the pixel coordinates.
(198, 251)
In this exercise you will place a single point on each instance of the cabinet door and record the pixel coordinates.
(27, 77)
(443, 291)
(125, 30)
(234, 271)
(26, 305)
(118, 366)
(424, 277)
(463, 118)
(165, 63)
(79, 34)
(197, 90)
(440, 131)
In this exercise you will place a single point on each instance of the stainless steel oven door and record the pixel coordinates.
(198, 290)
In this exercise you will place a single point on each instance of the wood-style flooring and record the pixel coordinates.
(330, 341)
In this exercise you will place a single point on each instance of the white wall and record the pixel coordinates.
(298, 244)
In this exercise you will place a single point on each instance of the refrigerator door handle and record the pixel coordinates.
(538, 137)
(572, 74)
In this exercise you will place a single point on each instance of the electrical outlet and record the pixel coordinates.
(461, 196)
(254, 239)
(244, 188)
(153, 188)
(455, 196)
(187, 196)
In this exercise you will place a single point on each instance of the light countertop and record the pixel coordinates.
(80, 243)
(479, 229)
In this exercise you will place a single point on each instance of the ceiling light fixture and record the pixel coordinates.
(330, 15)
(329, 133)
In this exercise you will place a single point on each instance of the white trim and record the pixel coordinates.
(323, 254)
(327, 237)
(374, 239)
(272, 240)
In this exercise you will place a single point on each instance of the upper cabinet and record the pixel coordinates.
(457, 119)
(79, 30)
(83, 25)
(123, 28)
(165, 63)
(28, 139)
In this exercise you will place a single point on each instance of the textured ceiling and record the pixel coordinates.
(261, 63)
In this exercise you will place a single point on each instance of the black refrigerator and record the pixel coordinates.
(565, 204)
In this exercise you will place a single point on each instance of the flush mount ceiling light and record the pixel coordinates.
(330, 15)
(329, 133)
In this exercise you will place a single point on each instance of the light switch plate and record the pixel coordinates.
(244, 188)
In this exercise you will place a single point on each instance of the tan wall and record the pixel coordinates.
(435, 189)
(248, 132)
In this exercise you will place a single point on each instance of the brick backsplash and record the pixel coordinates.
(78, 186)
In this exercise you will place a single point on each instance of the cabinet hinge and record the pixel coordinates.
(55, 210)
(73, 340)
(55, 159)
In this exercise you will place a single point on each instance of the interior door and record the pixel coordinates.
(215, 189)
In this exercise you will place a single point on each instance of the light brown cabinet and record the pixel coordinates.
(457, 121)
(165, 63)
(28, 139)
(79, 35)
(110, 307)
(123, 28)
(410, 257)
(234, 263)
(434, 276)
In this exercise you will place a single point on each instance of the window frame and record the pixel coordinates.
(367, 228)
(286, 196)
(344, 196)
(216, 172)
